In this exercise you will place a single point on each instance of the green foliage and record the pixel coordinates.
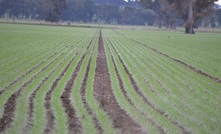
(189, 11)
(168, 95)
(188, 92)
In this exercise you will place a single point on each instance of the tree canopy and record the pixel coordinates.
(189, 10)
(134, 12)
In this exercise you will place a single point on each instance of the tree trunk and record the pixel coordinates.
(159, 21)
(190, 21)
(189, 30)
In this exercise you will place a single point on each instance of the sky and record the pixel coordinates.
(219, 2)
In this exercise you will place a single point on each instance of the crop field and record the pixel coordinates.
(87, 80)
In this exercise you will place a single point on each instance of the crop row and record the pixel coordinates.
(29, 98)
(68, 91)
(174, 89)
(201, 51)
(109, 81)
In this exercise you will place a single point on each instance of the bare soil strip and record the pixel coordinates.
(216, 79)
(120, 79)
(133, 82)
(160, 129)
(32, 97)
(83, 98)
(73, 122)
(103, 93)
(182, 129)
(10, 105)
(49, 111)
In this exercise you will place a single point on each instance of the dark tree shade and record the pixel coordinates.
(79, 10)
(53, 9)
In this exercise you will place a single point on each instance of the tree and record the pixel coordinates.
(107, 13)
(190, 21)
(12, 7)
(52, 9)
(218, 17)
(126, 15)
(32, 9)
(170, 14)
(189, 10)
(156, 6)
(79, 10)
(164, 10)
(193, 10)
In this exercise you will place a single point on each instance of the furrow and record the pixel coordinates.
(120, 80)
(183, 130)
(216, 79)
(103, 93)
(83, 97)
(135, 84)
(48, 106)
(195, 106)
(73, 122)
(29, 71)
(128, 98)
(10, 105)
(32, 97)
(22, 76)
(161, 112)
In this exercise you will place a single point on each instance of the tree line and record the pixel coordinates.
(99, 11)
(169, 13)
(50, 10)
(189, 10)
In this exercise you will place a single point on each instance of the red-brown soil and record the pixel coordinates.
(160, 129)
(49, 112)
(103, 93)
(83, 98)
(134, 83)
(32, 97)
(182, 128)
(10, 105)
(120, 79)
(73, 121)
